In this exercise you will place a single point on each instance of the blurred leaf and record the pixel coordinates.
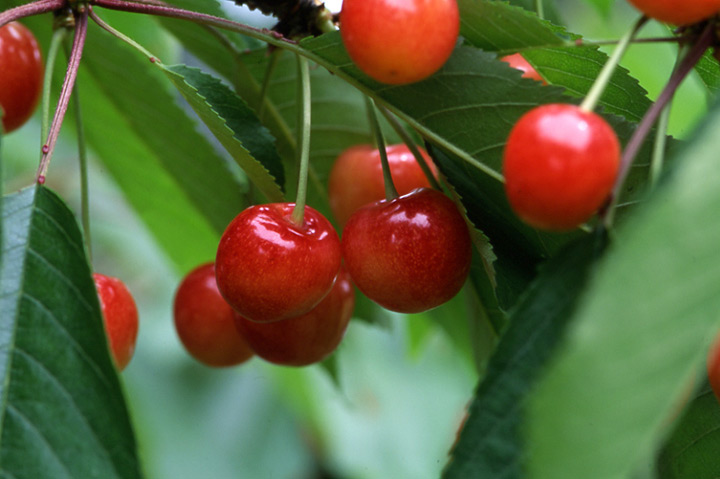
(63, 413)
(490, 444)
(637, 339)
(234, 125)
(708, 70)
(603, 6)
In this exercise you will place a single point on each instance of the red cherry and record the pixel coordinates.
(518, 62)
(268, 268)
(560, 164)
(22, 75)
(399, 42)
(356, 178)
(409, 254)
(306, 339)
(121, 317)
(713, 366)
(204, 321)
(678, 12)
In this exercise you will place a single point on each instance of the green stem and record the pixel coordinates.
(55, 43)
(274, 58)
(105, 26)
(593, 97)
(84, 189)
(390, 190)
(539, 8)
(304, 123)
(405, 136)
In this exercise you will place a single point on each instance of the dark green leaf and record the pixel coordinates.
(708, 70)
(63, 414)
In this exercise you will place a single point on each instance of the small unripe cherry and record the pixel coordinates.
(120, 317)
(205, 322)
(560, 164)
(306, 339)
(356, 178)
(518, 62)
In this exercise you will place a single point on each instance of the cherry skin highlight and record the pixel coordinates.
(678, 12)
(306, 339)
(268, 268)
(22, 75)
(560, 164)
(518, 62)
(398, 42)
(356, 178)
(713, 367)
(205, 322)
(409, 254)
(120, 315)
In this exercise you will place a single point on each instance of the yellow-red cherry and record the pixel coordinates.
(399, 41)
(678, 12)
(409, 254)
(22, 75)
(270, 268)
(120, 317)
(356, 178)
(713, 366)
(205, 322)
(306, 339)
(560, 164)
(518, 62)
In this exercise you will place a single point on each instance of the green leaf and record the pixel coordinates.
(490, 444)
(234, 125)
(603, 6)
(62, 409)
(708, 70)
(638, 338)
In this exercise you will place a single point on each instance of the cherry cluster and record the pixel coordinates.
(279, 289)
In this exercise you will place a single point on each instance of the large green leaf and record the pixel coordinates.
(491, 444)
(62, 413)
(639, 337)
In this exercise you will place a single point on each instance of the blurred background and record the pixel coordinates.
(398, 394)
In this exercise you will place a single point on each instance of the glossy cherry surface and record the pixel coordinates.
(356, 178)
(308, 338)
(121, 317)
(205, 322)
(409, 254)
(399, 42)
(268, 268)
(519, 62)
(678, 12)
(22, 75)
(560, 164)
(713, 366)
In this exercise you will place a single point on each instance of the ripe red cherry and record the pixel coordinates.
(22, 75)
(678, 12)
(409, 254)
(268, 268)
(560, 164)
(518, 62)
(121, 317)
(356, 178)
(713, 366)
(399, 42)
(205, 322)
(308, 338)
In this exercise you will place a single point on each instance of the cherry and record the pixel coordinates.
(560, 164)
(121, 317)
(205, 322)
(269, 268)
(399, 42)
(678, 12)
(356, 178)
(409, 254)
(713, 366)
(22, 75)
(308, 338)
(518, 62)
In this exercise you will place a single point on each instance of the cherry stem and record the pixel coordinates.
(694, 55)
(274, 58)
(540, 9)
(65, 93)
(602, 81)
(34, 8)
(55, 43)
(582, 43)
(84, 184)
(390, 190)
(304, 124)
(105, 26)
(405, 136)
